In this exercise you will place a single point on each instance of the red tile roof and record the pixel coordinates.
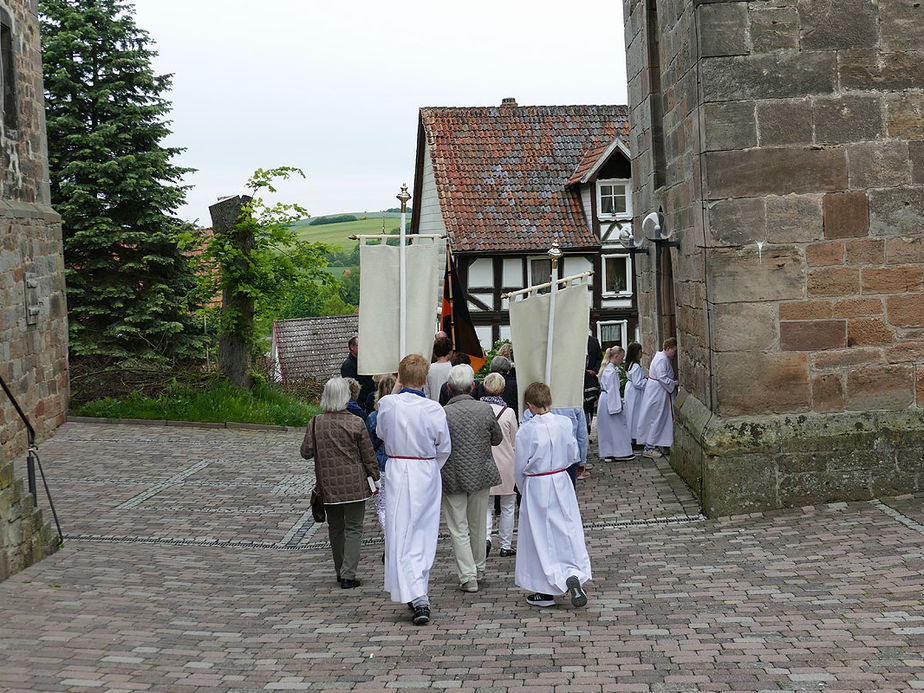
(502, 173)
(313, 347)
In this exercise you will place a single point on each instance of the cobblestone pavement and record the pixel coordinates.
(192, 564)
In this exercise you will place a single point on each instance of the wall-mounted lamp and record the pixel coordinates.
(627, 240)
(654, 231)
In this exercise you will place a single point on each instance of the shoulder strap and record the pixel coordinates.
(500, 413)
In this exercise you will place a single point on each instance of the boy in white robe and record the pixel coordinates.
(551, 554)
(416, 436)
(656, 418)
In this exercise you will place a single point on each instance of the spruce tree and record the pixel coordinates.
(112, 181)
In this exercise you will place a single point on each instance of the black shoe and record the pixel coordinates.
(487, 549)
(421, 615)
(578, 596)
(539, 599)
(508, 552)
(348, 584)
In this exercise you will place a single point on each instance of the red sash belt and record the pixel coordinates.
(401, 457)
(557, 471)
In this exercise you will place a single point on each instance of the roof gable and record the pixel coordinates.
(502, 173)
(594, 160)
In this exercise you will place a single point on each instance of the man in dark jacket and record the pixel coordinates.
(468, 475)
(349, 369)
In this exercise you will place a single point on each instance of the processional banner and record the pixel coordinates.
(379, 303)
(529, 331)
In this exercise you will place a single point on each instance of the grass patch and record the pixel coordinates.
(219, 401)
(338, 234)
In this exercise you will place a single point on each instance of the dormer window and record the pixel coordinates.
(614, 199)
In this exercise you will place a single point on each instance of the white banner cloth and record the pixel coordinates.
(379, 314)
(529, 332)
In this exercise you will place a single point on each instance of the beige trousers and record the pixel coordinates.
(465, 515)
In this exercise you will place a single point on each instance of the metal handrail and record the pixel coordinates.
(32, 459)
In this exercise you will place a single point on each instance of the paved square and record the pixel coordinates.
(192, 564)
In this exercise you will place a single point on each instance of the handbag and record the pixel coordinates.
(317, 505)
(317, 498)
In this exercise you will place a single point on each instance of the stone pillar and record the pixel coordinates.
(234, 352)
(795, 182)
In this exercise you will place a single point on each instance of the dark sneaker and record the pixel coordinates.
(578, 596)
(538, 599)
(508, 552)
(421, 615)
(487, 548)
(349, 584)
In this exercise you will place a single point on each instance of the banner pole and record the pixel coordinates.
(554, 254)
(403, 196)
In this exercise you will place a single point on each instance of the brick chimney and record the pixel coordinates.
(509, 101)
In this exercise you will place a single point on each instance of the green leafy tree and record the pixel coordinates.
(349, 286)
(269, 269)
(129, 285)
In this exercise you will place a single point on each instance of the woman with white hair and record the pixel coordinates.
(503, 457)
(468, 475)
(343, 463)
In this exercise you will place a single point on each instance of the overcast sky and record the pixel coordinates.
(334, 87)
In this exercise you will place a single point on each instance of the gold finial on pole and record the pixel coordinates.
(555, 253)
(403, 197)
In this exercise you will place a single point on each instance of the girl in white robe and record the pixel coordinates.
(613, 439)
(551, 555)
(635, 387)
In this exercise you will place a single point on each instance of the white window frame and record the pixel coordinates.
(624, 330)
(627, 186)
(530, 280)
(605, 292)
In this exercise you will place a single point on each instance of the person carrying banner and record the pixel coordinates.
(417, 443)
(551, 554)
(656, 418)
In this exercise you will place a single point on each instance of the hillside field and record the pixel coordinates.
(338, 234)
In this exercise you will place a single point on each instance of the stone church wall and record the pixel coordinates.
(783, 143)
(33, 311)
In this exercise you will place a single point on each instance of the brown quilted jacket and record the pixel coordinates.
(343, 456)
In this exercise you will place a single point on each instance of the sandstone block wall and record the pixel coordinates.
(24, 538)
(793, 175)
(33, 310)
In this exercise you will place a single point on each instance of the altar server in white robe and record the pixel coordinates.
(656, 418)
(635, 387)
(613, 439)
(551, 554)
(416, 438)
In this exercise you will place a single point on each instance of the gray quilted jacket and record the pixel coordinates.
(472, 431)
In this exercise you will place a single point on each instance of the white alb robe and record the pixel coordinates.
(656, 418)
(412, 427)
(635, 389)
(550, 547)
(612, 425)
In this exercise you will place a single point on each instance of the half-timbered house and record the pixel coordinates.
(504, 182)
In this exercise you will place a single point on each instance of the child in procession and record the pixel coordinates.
(551, 555)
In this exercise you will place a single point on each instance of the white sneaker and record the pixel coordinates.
(654, 454)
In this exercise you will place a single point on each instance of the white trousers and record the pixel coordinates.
(508, 509)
